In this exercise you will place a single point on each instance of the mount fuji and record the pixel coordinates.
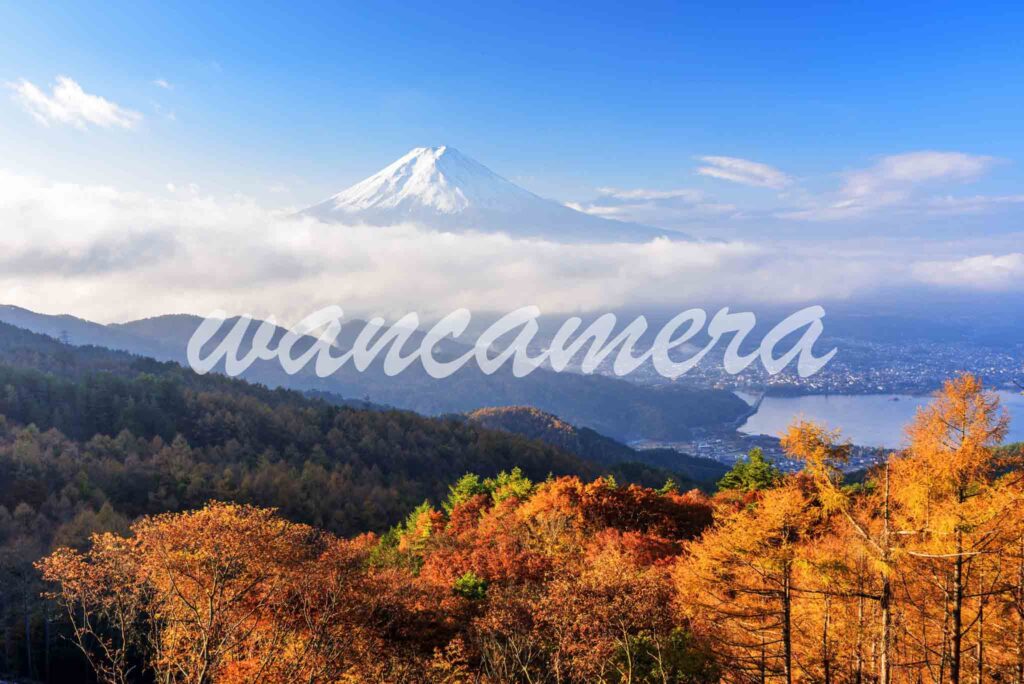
(440, 188)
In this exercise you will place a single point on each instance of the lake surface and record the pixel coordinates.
(866, 419)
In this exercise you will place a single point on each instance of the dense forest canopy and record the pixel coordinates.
(160, 526)
(151, 430)
(914, 575)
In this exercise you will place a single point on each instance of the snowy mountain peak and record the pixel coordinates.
(442, 189)
(437, 178)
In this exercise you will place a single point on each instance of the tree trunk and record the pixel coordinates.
(46, 642)
(885, 598)
(826, 664)
(787, 627)
(859, 676)
(956, 636)
(884, 667)
(764, 663)
(981, 640)
(1020, 617)
(1020, 650)
(28, 639)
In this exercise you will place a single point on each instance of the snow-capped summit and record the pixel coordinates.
(438, 178)
(441, 188)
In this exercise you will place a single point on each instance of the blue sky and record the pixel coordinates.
(830, 148)
(563, 100)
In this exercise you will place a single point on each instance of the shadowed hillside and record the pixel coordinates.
(591, 445)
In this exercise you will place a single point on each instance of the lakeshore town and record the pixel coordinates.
(730, 446)
(861, 368)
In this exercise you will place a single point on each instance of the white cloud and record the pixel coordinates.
(744, 171)
(162, 83)
(900, 171)
(644, 194)
(669, 208)
(190, 188)
(898, 187)
(987, 271)
(69, 104)
(970, 205)
(895, 183)
(80, 248)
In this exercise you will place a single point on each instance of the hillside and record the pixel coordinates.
(593, 446)
(343, 468)
(611, 406)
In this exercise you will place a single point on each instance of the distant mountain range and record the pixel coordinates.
(442, 189)
(611, 406)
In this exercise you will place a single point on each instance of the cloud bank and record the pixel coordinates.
(78, 248)
(984, 272)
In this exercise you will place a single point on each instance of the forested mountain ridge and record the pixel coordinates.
(93, 395)
(611, 406)
(590, 444)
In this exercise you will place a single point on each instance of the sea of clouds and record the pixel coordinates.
(111, 255)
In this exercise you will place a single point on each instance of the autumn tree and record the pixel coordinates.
(736, 584)
(933, 522)
(861, 522)
(952, 512)
(611, 620)
(106, 604)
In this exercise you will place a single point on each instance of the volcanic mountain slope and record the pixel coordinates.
(442, 189)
